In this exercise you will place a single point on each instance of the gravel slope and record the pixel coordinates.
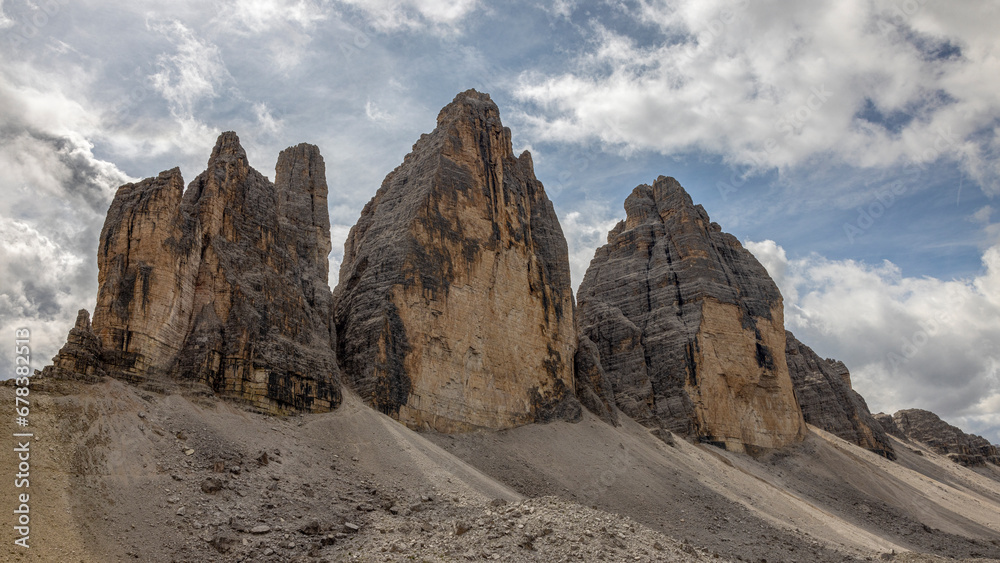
(124, 474)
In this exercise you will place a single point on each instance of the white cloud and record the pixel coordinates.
(436, 15)
(259, 16)
(265, 120)
(562, 8)
(983, 216)
(38, 289)
(283, 29)
(778, 83)
(775, 261)
(376, 114)
(55, 195)
(585, 231)
(338, 235)
(5, 21)
(909, 342)
(195, 72)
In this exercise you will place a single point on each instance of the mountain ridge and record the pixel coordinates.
(670, 393)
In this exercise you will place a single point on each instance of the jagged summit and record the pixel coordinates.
(924, 426)
(223, 283)
(689, 326)
(227, 145)
(454, 309)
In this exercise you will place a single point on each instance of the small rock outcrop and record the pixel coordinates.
(823, 389)
(80, 357)
(224, 283)
(967, 449)
(689, 326)
(454, 309)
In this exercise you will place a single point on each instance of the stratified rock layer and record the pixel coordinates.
(823, 389)
(454, 309)
(224, 283)
(689, 326)
(967, 449)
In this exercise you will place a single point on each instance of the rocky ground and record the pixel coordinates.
(123, 474)
(131, 475)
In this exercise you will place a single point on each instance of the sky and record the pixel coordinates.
(852, 145)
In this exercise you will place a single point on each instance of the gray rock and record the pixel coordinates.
(593, 388)
(889, 425)
(823, 390)
(688, 326)
(926, 427)
(211, 485)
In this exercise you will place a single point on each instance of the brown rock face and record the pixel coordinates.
(967, 449)
(80, 357)
(224, 283)
(689, 326)
(454, 309)
(823, 390)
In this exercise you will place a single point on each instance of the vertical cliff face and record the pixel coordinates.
(823, 389)
(454, 308)
(224, 283)
(593, 388)
(689, 326)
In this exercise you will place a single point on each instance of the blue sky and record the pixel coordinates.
(851, 144)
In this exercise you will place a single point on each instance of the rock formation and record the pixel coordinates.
(593, 388)
(926, 427)
(889, 425)
(80, 357)
(454, 309)
(823, 389)
(689, 326)
(224, 283)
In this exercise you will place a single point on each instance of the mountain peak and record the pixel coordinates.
(228, 144)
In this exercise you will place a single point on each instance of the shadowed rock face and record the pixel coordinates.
(593, 388)
(454, 308)
(823, 390)
(889, 425)
(689, 326)
(967, 449)
(224, 283)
